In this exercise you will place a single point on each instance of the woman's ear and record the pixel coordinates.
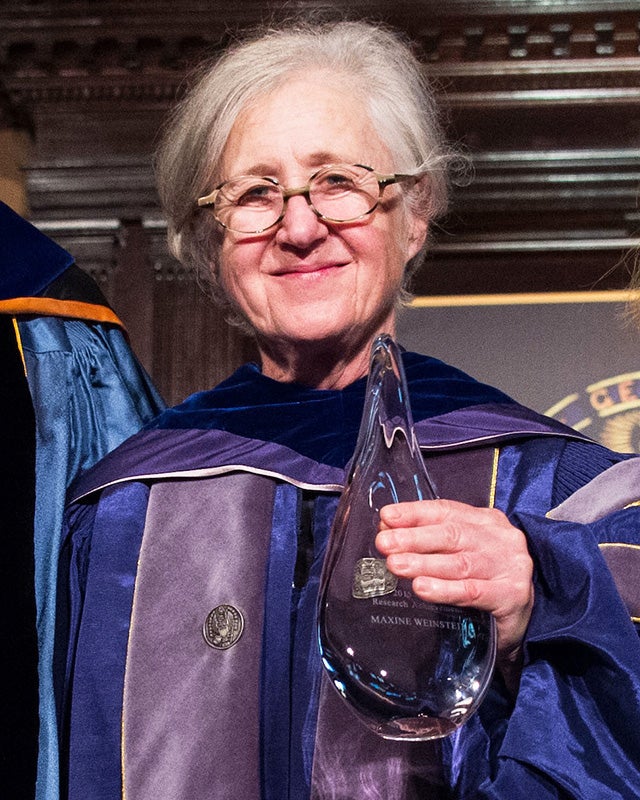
(418, 228)
(417, 222)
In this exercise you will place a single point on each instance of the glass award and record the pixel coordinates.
(408, 669)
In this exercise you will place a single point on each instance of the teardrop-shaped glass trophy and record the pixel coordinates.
(409, 669)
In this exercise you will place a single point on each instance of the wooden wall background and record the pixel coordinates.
(545, 96)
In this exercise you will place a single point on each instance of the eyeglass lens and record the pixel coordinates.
(343, 193)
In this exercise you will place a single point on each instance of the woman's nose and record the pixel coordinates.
(300, 227)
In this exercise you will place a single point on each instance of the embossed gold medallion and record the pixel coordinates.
(223, 627)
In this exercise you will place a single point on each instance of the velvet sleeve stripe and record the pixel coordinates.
(95, 754)
(51, 307)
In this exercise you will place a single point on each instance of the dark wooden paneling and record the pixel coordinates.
(545, 97)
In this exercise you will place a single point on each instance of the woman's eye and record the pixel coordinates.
(255, 195)
(337, 181)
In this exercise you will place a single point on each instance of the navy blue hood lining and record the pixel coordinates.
(30, 261)
(318, 423)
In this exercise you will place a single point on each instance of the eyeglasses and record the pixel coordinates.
(335, 193)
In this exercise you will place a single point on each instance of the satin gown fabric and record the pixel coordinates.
(87, 393)
(211, 504)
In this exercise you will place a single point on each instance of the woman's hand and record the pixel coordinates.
(465, 556)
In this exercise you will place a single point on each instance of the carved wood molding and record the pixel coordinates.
(140, 51)
(544, 95)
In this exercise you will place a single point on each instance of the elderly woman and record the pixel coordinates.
(299, 178)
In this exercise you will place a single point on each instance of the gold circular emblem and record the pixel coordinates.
(608, 411)
(622, 432)
(223, 627)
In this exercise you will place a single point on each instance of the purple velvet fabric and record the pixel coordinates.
(617, 487)
(157, 452)
(205, 544)
(202, 452)
(203, 547)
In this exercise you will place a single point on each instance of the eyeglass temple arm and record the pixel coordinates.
(209, 199)
(387, 180)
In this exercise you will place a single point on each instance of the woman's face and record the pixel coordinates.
(307, 281)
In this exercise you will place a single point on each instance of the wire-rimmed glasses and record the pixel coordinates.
(335, 193)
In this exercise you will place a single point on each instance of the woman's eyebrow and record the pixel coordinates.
(313, 161)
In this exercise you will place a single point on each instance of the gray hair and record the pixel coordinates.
(378, 64)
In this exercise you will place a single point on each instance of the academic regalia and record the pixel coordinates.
(225, 504)
(74, 391)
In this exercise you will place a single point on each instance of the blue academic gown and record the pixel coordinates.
(86, 393)
(207, 506)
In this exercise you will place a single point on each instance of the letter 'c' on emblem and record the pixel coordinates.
(223, 627)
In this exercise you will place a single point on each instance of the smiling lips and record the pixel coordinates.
(308, 269)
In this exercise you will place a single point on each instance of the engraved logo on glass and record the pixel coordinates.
(372, 578)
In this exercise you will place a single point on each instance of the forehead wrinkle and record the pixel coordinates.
(290, 133)
(313, 162)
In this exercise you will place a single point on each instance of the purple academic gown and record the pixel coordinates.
(192, 515)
